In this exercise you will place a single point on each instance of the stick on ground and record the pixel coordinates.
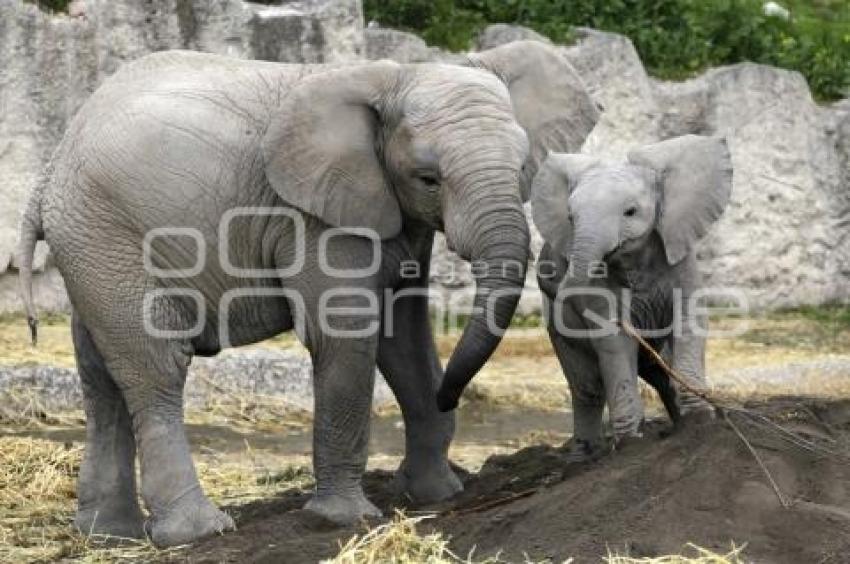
(705, 395)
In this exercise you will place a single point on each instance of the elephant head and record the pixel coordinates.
(590, 210)
(454, 147)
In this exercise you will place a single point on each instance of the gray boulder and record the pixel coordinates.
(499, 34)
(279, 377)
(784, 237)
(399, 46)
(284, 376)
(38, 389)
(837, 120)
(316, 31)
(614, 75)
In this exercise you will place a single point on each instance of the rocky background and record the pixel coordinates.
(785, 238)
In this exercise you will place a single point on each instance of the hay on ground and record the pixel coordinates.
(697, 555)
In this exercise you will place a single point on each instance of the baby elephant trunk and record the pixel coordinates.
(592, 242)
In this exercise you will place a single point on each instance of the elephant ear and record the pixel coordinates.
(695, 175)
(550, 197)
(549, 99)
(320, 149)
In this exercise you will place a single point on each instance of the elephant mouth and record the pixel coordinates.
(438, 224)
(613, 253)
(623, 249)
(628, 248)
(620, 256)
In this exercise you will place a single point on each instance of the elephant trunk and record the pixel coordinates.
(591, 242)
(498, 245)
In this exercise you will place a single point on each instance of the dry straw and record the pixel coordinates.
(702, 556)
(398, 542)
(37, 501)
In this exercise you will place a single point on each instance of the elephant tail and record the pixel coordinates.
(31, 233)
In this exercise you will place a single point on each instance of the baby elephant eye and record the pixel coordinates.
(630, 211)
(429, 180)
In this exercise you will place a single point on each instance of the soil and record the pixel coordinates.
(699, 485)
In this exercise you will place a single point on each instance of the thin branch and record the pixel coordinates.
(782, 500)
(681, 380)
(494, 502)
(706, 395)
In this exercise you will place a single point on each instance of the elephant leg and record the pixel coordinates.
(588, 397)
(688, 352)
(343, 348)
(408, 360)
(655, 377)
(150, 371)
(617, 356)
(344, 379)
(153, 388)
(106, 491)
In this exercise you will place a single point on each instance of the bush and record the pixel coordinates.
(675, 38)
(51, 5)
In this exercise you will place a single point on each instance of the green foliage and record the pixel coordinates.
(51, 5)
(836, 315)
(675, 38)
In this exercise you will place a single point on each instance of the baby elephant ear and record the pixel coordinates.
(695, 174)
(550, 197)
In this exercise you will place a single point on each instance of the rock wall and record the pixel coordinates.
(49, 64)
(785, 237)
(786, 233)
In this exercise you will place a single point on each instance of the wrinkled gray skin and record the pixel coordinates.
(177, 139)
(640, 219)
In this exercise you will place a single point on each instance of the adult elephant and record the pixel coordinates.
(198, 202)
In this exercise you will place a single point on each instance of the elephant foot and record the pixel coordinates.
(343, 509)
(697, 415)
(582, 450)
(118, 521)
(188, 521)
(427, 483)
(629, 440)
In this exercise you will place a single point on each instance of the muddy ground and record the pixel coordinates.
(700, 484)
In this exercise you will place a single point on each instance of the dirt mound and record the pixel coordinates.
(699, 485)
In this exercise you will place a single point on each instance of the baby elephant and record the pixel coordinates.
(620, 240)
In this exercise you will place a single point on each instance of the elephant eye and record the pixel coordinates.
(630, 211)
(428, 179)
